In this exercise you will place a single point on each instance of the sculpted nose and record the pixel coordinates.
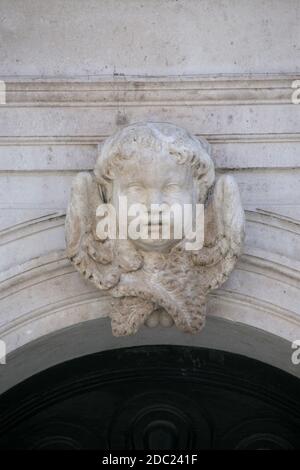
(154, 197)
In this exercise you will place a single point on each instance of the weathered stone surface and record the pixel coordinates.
(150, 38)
(149, 280)
(195, 65)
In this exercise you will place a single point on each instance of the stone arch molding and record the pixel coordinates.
(50, 313)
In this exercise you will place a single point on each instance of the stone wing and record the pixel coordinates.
(91, 257)
(224, 232)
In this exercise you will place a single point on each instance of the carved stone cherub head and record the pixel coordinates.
(155, 280)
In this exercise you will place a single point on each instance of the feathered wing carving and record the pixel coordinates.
(128, 313)
(224, 231)
(91, 257)
(224, 235)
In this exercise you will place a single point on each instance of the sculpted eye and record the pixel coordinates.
(135, 187)
(172, 187)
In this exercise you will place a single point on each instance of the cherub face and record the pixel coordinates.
(155, 179)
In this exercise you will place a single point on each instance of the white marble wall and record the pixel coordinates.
(76, 71)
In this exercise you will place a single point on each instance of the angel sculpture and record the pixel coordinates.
(155, 281)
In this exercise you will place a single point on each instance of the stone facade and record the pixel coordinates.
(217, 69)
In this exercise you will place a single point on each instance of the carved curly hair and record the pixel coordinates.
(158, 137)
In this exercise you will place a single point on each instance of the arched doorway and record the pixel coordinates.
(154, 397)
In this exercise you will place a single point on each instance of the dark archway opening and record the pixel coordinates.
(154, 397)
